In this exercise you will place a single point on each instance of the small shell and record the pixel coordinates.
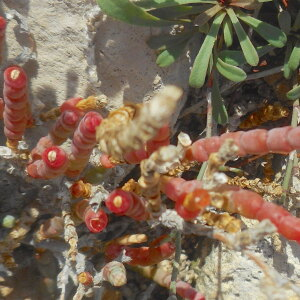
(85, 278)
(115, 273)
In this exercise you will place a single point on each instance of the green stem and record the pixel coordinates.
(293, 159)
(265, 73)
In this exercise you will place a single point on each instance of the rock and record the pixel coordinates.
(66, 48)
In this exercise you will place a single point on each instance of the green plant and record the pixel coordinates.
(292, 55)
(202, 16)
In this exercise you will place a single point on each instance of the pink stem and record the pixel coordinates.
(16, 110)
(54, 162)
(84, 140)
(257, 141)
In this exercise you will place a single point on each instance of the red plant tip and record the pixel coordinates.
(91, 121)
(2, 23)
(95, 222)
(54, 157)
(196, 200)
(80, 189)
(118, 201)
(163, 133)
(15, 77)
(188, 206)
(76, 189)
(105, 161)
(70, 117)
(2, 104)
(70, 104)
(85, 278)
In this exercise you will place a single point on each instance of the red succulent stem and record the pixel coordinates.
(1, 108)
(136, 156)
(142, 256)
(43, 143)
(94, 221)
(257, 141)
(2, 34)
(16, 112)
(190, 197)
(128, 204)
(80, 189)
(15, 78)
(247, 203)
(84, 140)
(175, 188)
(53, 163)
(190, 205)
(70, 105)
(251, 205)
(185, 290)
(63, 127)
(106, 162)
(162, 138)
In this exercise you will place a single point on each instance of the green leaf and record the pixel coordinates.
(207, 15)
(210, 64)
(153, 4)
(237, 58)
(284, 20)
(204, 28)
(230, 72)
(164, 41)
(287, 72)
(219, 111)
(178, 11)
(294, 59)
(296, 25)
(168, 56)
(126, 11)
(247, 4)
(246, 45)
(198, 73)
(294, 94)
(271, 34)
(227, 31)
(233, 57)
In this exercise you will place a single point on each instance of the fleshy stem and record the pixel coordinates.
(293, 159)
(176, 263)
